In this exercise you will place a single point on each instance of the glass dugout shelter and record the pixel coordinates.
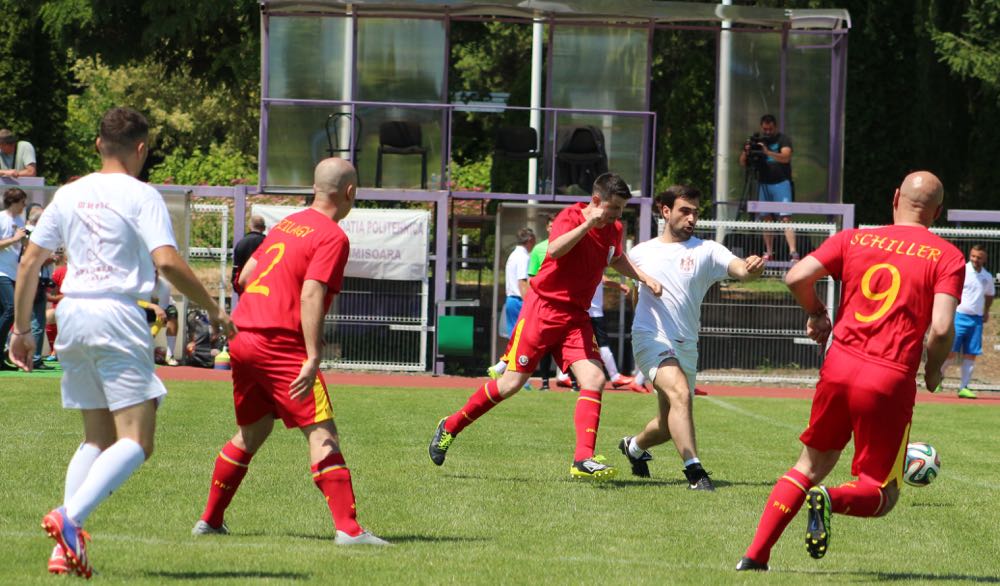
(368, 80)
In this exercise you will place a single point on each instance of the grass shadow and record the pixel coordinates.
(222, 574)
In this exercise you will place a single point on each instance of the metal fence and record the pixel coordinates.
(378, 325)
(757, 328)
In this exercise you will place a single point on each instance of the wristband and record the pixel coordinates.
(28, 333)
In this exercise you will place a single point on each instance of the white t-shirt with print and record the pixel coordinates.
(10, 256)
(977, 287)
(686, 270)
(516, 269)
(108, 223)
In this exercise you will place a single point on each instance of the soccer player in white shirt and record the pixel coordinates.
(665, 330)
(974, 311)
(116, 233)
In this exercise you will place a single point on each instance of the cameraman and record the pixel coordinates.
(769, 154)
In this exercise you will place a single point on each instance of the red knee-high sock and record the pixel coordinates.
(785, 500)
(334, 480)
(857, 499)
(485, 398)
(230, 468)
(586, 419)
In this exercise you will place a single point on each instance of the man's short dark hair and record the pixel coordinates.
(549, 218)
(525, 235)
(13, 195)
(121, 129)
(610, 184)
(978, 247)
(7, 137)
(769, 118)
(670, 195)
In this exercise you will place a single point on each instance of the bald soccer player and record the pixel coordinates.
(288, 285)
(896, 281)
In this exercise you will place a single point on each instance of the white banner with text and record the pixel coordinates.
(385, 244)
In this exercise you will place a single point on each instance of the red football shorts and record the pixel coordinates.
(543, 328)
(873, 402)
(264, 365)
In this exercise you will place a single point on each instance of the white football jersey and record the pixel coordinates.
(977, 287)
(108, 223)
(686, 270)
(516, 269)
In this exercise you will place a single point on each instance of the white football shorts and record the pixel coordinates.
(651, 350)
(106, 352)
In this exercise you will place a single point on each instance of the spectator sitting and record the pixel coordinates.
(17, 157)
(54, 296)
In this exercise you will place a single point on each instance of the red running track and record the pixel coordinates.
(423, 380)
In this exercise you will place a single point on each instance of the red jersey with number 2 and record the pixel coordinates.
(306, 245)
(890, 276)
(572, 278)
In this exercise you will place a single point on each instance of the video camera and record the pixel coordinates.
(755, 152)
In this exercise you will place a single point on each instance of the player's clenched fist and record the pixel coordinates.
(755, 265)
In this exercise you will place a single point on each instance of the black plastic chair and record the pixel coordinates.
(400, 137)
(514, 143)
(580, 157)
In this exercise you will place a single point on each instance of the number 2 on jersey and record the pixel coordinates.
(256, 287)
(887, 297)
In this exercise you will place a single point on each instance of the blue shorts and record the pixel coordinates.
(778, 192)
(968, 334)
(511, 309)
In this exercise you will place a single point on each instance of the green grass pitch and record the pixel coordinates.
(501, 510)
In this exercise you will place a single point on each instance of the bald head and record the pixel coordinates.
(920, 198)
(333, 176)
(335, 185)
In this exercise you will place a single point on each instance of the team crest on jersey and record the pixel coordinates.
(611, 254)
(522, 360)
(687, 264)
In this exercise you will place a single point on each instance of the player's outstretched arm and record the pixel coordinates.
(174, 269)
(565, 242)
(801, 281)
(312, 317)
(939, 338)
(22, 342)
(752, 267)
(623, 264)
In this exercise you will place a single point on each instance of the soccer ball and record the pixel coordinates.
(922, 464)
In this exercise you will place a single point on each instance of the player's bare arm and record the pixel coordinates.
(174, 269)
(312, 316)
(22, 343)
(623, 264)
(748, 269)
(248, 268)
(987, 302)
(939, 338)
(801, 281)
(565, 242)
(19, 235)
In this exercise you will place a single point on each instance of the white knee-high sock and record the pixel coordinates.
(171, 342)
(967, 366)
(640, 378)
(560, 375)
(79, 467)
(609, 362)
(500, 367)
(946, 365)
(109, 471)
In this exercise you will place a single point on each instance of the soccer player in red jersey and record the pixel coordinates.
(289, 283)
(896, 280)
(585, 238)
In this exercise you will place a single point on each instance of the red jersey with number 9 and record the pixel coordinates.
(306, 245)
(890, 276)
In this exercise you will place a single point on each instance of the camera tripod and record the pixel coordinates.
(751, 187)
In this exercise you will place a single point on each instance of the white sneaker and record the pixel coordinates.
(172, 362)
(363, 538)
(203, 528)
